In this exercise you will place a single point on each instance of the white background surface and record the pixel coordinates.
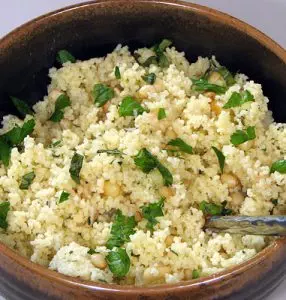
(266, 15)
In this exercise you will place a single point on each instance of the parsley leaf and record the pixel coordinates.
(55, 144)
(110, 152)
(75, 167)
(214, 209)
(181, 145)
(4, 208)
(64, 56)
(5, 152)
(91, 251)
(27, 180)
(160, 58)
(14, 137)
(64, 197)
(238, 99)
(147, 162)
(203, 85)
(101, 94)
(130, 107)
(279, 166)
(151, 211)
(117, 73)
(195, 274)
(220, 157)
(118, 262)
(22, 107)
(62, 102)
(274, 202)
(161, 114)
(121, 230)
(240, 136)
(149, 78)
(227, 76)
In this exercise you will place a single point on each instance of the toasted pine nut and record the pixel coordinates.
(111, 189)
(236, 199)
(138, 216)
(230, 180)
(169, 240)
(216, 78)
(166, 192)
(98, 261)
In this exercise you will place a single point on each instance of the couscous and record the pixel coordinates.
(109, 178)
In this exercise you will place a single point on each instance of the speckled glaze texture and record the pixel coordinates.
(92, 29)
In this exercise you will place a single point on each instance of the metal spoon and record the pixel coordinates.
(263, 225)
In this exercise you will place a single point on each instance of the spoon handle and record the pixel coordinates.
(263, 225)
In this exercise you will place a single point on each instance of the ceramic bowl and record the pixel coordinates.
(92, 29)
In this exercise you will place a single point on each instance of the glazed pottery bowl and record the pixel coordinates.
(93, 29)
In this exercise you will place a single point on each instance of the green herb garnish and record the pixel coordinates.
(27, 180)
(110, 152)
(279, 166)
(62, 102)
(238, 99)
(220, 157)
(75, 167)
(149, 78)
(214, 209)
(195, 274)
(121, 230)
(151, 211)
(240, 136)
(202, 85)
(91, 251)
(227, 76)
(14, 137)
(161, 114)
(130, 107)
(174, 252)
(118, 262)
(117, 73)
(274, 202)
(101, 94)
(64, 56)
(181, 145)
(160, 58)
(147, 162)
(64, 197)
(4, 208)
(22, 107)
(55, 144)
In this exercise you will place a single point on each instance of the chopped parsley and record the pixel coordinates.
(118, 262)
(91, 251)
(55, 144)
(274, 202)
(27, 180)
(195, 274)
(64, 56)
(22, 107)
(151, 211)
(213, 209)
(101, 94)
(14, 137)
(240, 136)
(181, 145)
(147, 162)
(130, 107)
(279, 166)
(62, 102)
(161, 114)
(4, 208)
(75, 167)
(64, 197)
(238, 99)
(227, 76)
(121, 230)
(202, 85)
(117, 73)
(159, 58)
(110, 152)
(220, 157)
(149, 78)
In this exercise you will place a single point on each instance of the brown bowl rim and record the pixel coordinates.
(183, 286)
